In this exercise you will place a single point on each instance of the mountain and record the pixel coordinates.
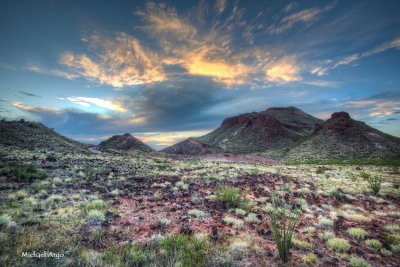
(125, 142)
(35, 135)
(190, 146)
(341, 137)
(274, 128)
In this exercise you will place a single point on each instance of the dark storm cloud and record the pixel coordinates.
(178, 104)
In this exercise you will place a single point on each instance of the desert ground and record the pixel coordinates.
(108, 208)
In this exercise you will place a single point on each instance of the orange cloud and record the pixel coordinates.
(119, 63)
(283, 71)
(220, 70)
(161, 20)
(23, 106)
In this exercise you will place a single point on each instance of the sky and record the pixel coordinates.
(165, 71)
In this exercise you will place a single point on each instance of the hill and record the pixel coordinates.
(190, 146)
(125, 142)
(35, 135)
(341, 137)
(274, 128)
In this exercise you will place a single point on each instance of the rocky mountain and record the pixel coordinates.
(26, 134)
(341, 137)
(274, 128)
(125, 142)
(190, 146)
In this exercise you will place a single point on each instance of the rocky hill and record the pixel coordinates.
(274, 128)
(35, 135)
(341, 137)
(125, 142)
(190, 146)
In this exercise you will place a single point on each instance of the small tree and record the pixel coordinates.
(283, 222)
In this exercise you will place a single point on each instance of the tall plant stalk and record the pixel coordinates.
(283, 221)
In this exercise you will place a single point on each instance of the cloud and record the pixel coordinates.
(59, 73)
(289, 21)
(118, 62)
(220, 5)
(174, 105)
(35, 109)
(221, 71)
(283, 71)
(88, 101)
(28, 94)
(165, 21)
(353, 58)
(375, 108)
(321, 83)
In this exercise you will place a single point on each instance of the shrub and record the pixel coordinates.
(301, 244)
(195, 199)
(97, 237)
(197, 213)
(326, 235)
(338, 194)
(186, 250)
(385, 252)
(57, 181)
(28, 172)
(365, 175)
(240, 212)
(338, 244)
(252, 218)
(374, 244)
(229, 196)
(374, 183)
(181, 186)
(309, 258)
(356, 217)
(21, 194)
(97, 204)
(395, 248)
(236, 223)
(392, 227)
(309, 230)
(357, 233)
(162, 223)
(325, 222)
(359, 262)
(320, 170)
(283, 221)
(95, 217)
(5, 219)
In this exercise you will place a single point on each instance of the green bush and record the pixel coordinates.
(94, 217)
(186, 250)
(28, 172)
(229, 196)
(359, 262)
(357, 233)
(5, 219)
(97, 204)
(283, 221)
(338, 244)
(374, 183)
(374, 244)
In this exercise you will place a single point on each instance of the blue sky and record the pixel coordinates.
(164, 71)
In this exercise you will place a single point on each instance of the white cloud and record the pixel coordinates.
(88, 101)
